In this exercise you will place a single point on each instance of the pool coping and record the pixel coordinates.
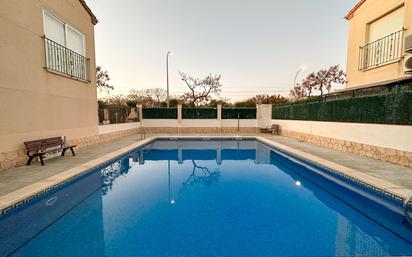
(381, 184)
(18, 197)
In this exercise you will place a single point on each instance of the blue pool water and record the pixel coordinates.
(203, 198)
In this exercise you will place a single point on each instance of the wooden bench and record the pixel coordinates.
(38, 148)
(274, 129)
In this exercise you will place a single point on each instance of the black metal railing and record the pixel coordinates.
(63, 60)
(381, 51)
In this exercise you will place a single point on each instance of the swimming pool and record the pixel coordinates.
(215, 197)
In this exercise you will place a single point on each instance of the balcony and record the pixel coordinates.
(65, 61)
(382, 51)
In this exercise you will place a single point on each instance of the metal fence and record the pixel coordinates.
(381, 51)
(66, 61)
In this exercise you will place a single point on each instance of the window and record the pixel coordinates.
(65, 48)
(74, 40)
(386, 25)
(54, 28)
(384, 40)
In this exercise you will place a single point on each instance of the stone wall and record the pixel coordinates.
(19, 158)
(398, 157)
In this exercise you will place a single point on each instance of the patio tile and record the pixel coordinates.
(17, 178)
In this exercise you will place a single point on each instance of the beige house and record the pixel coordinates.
(47, 73)
(378, 36)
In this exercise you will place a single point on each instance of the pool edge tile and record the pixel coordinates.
(383, 185)
(22, 195)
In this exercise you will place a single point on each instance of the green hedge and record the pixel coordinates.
(393, 108)
(241, 113)
(159, 113)
(199, 113)
(100, 113)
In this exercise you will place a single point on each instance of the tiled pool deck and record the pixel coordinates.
(20, 180)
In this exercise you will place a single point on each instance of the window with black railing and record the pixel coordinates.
(381, 51)
(63, 60)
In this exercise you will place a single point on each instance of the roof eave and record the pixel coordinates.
(92, 16)
(353, 10)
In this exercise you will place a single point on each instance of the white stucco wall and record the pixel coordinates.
(103, 129)
(392, 136)
(200, 123)
(159, 123)
(232, 123)
(383, 135)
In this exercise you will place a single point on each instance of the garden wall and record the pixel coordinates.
(388, 143)
(391, 105)
(374, 121)
(199, 120)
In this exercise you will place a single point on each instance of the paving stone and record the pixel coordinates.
(15, 178)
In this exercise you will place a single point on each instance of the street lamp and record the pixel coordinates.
(301, 68)
(167, 75)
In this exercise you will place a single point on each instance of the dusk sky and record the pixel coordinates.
(256, 45)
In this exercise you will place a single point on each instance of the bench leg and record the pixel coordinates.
(64, 151)
(30, 159)
(71, 149)
(41, 160)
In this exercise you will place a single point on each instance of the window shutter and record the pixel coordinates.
(386, 25)
(74, 41)
(54, 29)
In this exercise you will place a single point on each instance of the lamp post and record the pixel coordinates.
(167, 75)
(301, 68)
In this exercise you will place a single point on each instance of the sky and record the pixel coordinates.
(256, 45)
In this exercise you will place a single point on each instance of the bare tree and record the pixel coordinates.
(151, 97)
(134, 94)
(115, 100)
(298, 92)
(201, 90)
(157, 94)
(140, 97)
(322, 80)
(102, 80)
(309, 84)
(269, 99)
(333, 75)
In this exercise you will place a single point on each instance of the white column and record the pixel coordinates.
(141, 159)
(219, 117)
(264, 115)
(140, 114)
(257, 116)
(219, 155)
(179, 118)
(180, 154)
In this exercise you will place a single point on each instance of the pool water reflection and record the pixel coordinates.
(202, 198)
